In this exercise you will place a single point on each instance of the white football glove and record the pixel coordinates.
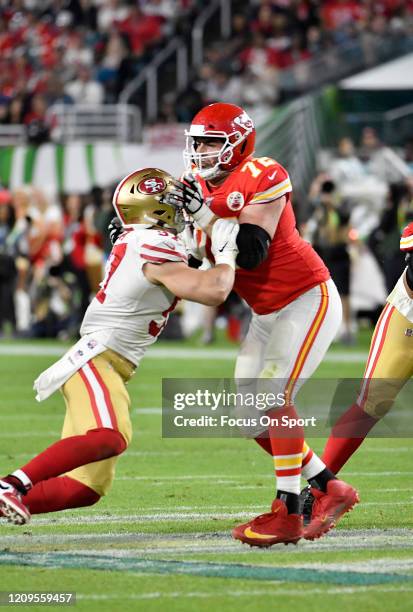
(192, 246)
(224, 242)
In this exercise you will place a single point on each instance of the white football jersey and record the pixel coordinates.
(129, 312)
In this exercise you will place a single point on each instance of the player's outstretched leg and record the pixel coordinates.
(59, 493)
(59, 458)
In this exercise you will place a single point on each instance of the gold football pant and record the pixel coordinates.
(389, 364)
(96, 397)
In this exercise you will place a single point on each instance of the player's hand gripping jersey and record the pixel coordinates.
(129, 312)
(292, 266)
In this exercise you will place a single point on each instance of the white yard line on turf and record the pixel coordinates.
(235, 477)
(130, 454)
(245, 593)
(178, 353)
(173, 517)
(149, 545)
(30, 434)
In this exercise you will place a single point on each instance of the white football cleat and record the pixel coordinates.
(11, 506)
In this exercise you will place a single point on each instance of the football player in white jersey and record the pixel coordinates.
(388, 369)
(146, 274)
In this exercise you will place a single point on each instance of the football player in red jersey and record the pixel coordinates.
(389, 366)
(296, 309)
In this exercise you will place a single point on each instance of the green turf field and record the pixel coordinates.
(161, 539)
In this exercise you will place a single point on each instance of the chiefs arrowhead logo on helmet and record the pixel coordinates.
(406, 241)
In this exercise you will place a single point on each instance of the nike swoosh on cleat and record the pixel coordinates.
(249, 533)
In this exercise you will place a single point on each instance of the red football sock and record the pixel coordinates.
(70, 453)
(287, 449)
(346, 436)
(59, 494)
(265, 443)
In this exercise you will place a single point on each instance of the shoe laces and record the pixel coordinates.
(264, 518)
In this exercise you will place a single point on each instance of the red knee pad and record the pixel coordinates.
(110, 441)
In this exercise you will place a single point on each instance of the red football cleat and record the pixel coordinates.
(329, 507)
(275, 527)
(11, 506)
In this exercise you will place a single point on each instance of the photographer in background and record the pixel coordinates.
(7, 265)
(385, 238)
(328, 230)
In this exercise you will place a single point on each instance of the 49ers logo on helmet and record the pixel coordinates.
(151, 185)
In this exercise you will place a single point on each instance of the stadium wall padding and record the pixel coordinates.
(77, 166)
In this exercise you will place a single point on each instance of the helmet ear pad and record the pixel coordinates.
(240, 152)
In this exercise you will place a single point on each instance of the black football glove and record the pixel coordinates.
(187, 195)
(115, 229)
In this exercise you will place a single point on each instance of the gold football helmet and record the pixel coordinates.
(141, 198)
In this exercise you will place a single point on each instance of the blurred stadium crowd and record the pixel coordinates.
(53, 249)
(51, 259)
(86, 51)
(275, 46)
(52, 252)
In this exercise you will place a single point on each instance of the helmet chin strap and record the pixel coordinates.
(208, 173)
(211, 173)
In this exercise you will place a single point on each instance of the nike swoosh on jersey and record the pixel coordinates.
(272, 177)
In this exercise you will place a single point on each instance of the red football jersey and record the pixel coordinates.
(292, 266)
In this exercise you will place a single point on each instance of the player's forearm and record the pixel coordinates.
(222, 279)
(212, 287)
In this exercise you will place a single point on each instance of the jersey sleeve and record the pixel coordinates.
(273, 183)
(158, 248)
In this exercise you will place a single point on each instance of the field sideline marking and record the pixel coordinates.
(202, 568)
(11, 350)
